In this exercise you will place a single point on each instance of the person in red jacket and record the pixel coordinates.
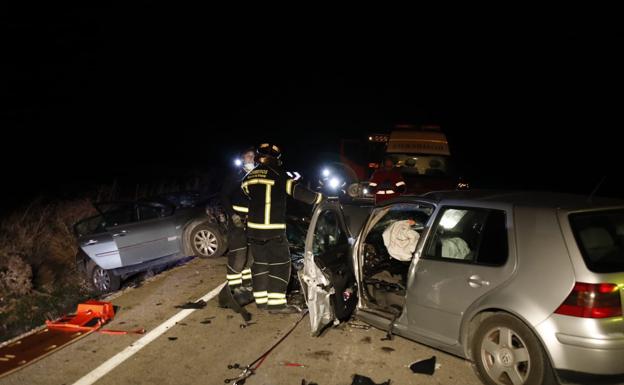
(386, 182)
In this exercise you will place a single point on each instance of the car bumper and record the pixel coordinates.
(584, 346)
(569, 376)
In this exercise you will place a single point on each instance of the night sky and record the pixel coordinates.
(93, 94)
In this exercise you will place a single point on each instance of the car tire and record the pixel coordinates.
(506, 352)
(207, 241)
(100, 280)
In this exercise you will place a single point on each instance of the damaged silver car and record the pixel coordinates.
(126, 238)
(528, 286)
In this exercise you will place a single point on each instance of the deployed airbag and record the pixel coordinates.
(401, 240)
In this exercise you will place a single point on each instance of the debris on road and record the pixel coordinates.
(229, 301)
(193, 305)
(427, 366)
(292, 364)
(90, 316)
(363, 380)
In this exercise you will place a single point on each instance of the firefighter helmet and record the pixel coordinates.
(268, 149)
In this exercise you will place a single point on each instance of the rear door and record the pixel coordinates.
(465, 256)
(327, 276)
(142, 233)
(98, 243)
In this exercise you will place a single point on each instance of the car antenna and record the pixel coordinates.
(589, 198)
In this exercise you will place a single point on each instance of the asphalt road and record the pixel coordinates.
(199, 348)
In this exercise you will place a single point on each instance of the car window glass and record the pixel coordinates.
(91, 225)
(600, 237)
(469, 235)
(150, 212)
(328, 233)
(494, 248)
(120, 216)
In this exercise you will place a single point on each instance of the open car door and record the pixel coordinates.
(327, 278)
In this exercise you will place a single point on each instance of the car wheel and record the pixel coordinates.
(102, 281)
(506, 352)
(207, 241)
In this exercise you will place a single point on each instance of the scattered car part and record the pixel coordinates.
(427, 366)
(363, 380)
(193, 305)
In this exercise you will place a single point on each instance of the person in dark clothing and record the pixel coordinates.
(387, 182)
(268, 187)
(236, 205)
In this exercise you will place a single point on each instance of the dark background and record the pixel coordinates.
(92, 95)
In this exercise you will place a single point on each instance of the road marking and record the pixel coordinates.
(128, 352)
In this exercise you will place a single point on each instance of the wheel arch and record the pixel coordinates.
(192, 225)
(470, 326)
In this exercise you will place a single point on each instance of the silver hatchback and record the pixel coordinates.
(528, 286)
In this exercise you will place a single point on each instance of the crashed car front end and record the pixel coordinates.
(317, 290)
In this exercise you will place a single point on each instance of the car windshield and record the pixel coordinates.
(418, 164)
(600, 237)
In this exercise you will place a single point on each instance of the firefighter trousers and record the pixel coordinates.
(271, 271)
(239, 260)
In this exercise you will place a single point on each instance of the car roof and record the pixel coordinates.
(524, 198)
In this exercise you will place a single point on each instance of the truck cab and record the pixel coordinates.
(423, 157)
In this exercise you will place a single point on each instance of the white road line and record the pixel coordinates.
(128, 352)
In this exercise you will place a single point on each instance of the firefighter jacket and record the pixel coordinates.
(268, 187)
(386, 184)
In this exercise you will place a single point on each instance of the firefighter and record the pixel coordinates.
(387, 182)
(236, 205)
(268, 186)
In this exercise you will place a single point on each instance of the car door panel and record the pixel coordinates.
(443, 289)
(102, 249)
(440, 294)
(327, 276)
(140, 241)
(145, 241)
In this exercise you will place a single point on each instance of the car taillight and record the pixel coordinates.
(592, 300)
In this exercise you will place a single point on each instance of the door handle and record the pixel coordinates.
(90, 242)
(476, 281)
(120, 234)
